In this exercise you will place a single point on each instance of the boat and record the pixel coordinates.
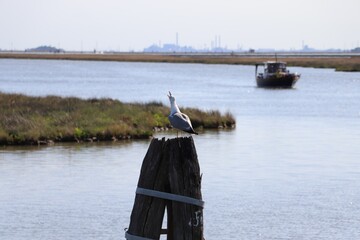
(275, 75)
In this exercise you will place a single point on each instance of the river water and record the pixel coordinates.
(290, 169)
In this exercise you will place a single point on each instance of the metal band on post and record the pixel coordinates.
(132, 237)
(170, 196)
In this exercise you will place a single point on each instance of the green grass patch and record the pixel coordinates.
(30, 120)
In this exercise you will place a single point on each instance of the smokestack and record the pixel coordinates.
(177, 39)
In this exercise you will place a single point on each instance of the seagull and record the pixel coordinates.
(178, 119)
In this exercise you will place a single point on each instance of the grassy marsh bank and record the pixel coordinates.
(339, 63)
(34, 120)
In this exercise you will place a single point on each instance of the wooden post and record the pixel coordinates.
(171, 168)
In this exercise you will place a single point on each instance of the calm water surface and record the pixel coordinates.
(290, 169)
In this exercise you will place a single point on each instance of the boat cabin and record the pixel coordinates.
(270, 68)
(274, 67)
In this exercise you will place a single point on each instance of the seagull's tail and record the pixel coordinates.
(192, 131)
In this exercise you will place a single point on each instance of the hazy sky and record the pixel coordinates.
(135, 24)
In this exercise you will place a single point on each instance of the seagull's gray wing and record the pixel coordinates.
(180, 121)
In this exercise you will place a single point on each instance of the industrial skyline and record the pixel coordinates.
(213, 45)
(216, 46)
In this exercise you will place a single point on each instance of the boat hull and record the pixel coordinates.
(275, 81)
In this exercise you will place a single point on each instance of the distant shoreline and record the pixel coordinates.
(347, 62)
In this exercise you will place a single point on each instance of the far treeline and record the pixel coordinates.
(339, 63)
(26, 120)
